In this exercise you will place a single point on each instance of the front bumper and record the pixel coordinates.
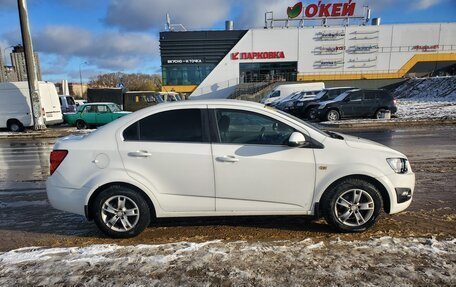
(395, 183)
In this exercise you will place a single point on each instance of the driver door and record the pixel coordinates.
(256, 172)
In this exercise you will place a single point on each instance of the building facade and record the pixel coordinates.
(336, 53)
(19, 65)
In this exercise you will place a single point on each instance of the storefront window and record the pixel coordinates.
(185, 74)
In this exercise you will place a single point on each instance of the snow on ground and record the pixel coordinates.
(382, 261)
(426, 109)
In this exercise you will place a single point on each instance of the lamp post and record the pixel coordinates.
(80, 75)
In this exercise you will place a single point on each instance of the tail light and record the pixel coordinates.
(57, 156)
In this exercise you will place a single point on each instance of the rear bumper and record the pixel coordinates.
(66, 199)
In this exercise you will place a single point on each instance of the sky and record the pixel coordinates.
(104, 36)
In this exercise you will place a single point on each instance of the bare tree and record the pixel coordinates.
(133, 82)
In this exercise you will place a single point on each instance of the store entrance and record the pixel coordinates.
(272, 71)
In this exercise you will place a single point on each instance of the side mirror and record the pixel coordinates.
(297, 139)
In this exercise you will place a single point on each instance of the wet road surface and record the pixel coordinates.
(27, 219)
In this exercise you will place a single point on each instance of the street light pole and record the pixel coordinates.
(80, 75)
(38, 115)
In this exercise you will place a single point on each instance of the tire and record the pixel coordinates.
(15, 126)
(311, 113)
(353, 205)
(81, 125)
(332, 115)
(117, 221)
(378, 113)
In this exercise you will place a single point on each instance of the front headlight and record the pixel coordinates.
(399, 165)
(321, 106)
(289, 104)
(300, 104)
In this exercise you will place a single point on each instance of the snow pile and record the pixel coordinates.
(428, 89)
(386, 260)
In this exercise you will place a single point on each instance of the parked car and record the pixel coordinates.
(227, 157)
(285, 90)
(288, 103)
(357, 103)
(67, 104)
(94, 114)
(306, 107)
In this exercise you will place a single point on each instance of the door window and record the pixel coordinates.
(170, 126)
(102, 109)
(90, 109)
(243, 127)
(356, 96)
(370, 95)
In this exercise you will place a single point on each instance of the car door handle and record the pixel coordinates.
(139, 153)
(227, 158)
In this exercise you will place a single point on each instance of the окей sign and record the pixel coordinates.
(322, 10)
(257, 55)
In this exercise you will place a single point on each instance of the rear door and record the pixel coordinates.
(255, 171)
(89, 114)
(170, 153)
(370, 103)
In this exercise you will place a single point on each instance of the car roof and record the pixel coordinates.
(338, 88)
(101, 103)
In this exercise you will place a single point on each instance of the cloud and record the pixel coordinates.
(106, 50)
(7, 4)
(424, 4)
(142, 15)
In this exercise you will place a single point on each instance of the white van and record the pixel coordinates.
(16, 111)
(285, 90)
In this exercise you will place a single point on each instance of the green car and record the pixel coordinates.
(94, 114)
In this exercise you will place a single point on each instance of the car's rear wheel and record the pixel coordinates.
(352, 205)
(15, 126)
(121, 212)
(332, 115)
(379, 113)
(80, 125)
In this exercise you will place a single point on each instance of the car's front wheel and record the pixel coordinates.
(332, 115)
(379, 113)
(352, 205)
(121, 212)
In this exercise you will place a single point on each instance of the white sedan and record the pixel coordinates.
(219, 158)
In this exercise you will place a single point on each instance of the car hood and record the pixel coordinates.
(307, 99)
(361, 143)
(327, 102)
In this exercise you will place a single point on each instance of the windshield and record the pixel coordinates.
(307, 124)
(321, 94)
(114, 108)
(340, 97)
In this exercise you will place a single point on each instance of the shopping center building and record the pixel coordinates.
(212, 64)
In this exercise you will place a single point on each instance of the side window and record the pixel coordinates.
(89, 109)
(170, 126)
(370, 95)
(356, 96)
(243, 127)
(102, 109)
